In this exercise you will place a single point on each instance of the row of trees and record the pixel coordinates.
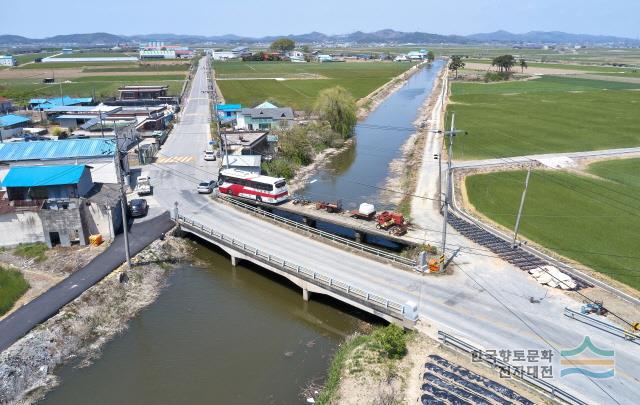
(504, 63)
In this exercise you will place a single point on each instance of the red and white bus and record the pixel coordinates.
(250, 185)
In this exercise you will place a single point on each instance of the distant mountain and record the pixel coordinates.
(382, 36)
(546, 37)
(14, 40)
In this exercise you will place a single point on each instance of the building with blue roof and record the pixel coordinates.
(228, 112)
(11, 125)
(98, 153)
(47, 103)
(47, 182)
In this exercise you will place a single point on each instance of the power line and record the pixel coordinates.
(530, 327)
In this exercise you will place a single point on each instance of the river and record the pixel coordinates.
(215, 335)
(243, 336)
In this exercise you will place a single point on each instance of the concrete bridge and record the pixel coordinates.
(308, 280)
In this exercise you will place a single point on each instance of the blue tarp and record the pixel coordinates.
(37, 176)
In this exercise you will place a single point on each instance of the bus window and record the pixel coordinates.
(280, 183)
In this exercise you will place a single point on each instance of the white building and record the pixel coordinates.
(7, 60)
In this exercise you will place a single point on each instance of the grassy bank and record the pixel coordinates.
(591, 220)
(34, 251)
(12, 286)
(363, 353)
(303, 80)
(550, 114)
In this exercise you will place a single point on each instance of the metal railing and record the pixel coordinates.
(327, 235)
(380, 303)
(607, 327)
(550, 389)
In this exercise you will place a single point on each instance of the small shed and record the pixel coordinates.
(11, 125)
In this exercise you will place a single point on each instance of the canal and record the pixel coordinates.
(222, 335)
(355, 175)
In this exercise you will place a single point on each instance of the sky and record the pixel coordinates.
(43, 18)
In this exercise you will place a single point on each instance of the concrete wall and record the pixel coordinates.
(66, 222)
(7, 133)
(20, 227)
(100, 219)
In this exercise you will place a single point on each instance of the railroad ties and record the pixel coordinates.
(518, 257)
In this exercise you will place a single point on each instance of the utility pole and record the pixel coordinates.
(449, 186)
(524, 195)
(123, 204)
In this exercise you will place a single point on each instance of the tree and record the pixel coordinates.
(305, 49)
(283, 45)
(337, 107)
(430, 56)
(455, 64)
(523, 64)
(504, 63)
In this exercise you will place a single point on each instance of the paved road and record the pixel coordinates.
(546, 158)
(486, 300)
(46, 305)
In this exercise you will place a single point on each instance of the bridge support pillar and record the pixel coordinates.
(234, 261)
(305, 294)
(309, 221)
(361, 237)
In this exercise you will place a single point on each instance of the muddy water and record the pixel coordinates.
(215, 335)
(354, 175)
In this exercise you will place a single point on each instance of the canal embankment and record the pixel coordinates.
(80, 329)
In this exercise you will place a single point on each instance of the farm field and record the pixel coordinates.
(30, 57)
(305, 80)
(74, 65)
(567, 66)
(549, 114)
(21, 90)
(591, 220)
(96, 55)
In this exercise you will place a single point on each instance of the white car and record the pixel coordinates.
(206, 187)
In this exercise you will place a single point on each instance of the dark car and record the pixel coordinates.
(138, 207)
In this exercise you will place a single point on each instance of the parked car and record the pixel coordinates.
(206, 187)
(138, 207)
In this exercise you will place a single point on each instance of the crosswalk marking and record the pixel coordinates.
(174, 159)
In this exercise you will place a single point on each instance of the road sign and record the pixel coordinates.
(441, 259)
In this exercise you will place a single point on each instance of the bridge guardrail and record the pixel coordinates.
(339, 239)
(353, 292)
(555, 392)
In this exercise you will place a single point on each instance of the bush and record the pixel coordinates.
(392, 341)
(12, 286)
(32, 251)
(280, 167)
(496, 76)
(294, 145)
